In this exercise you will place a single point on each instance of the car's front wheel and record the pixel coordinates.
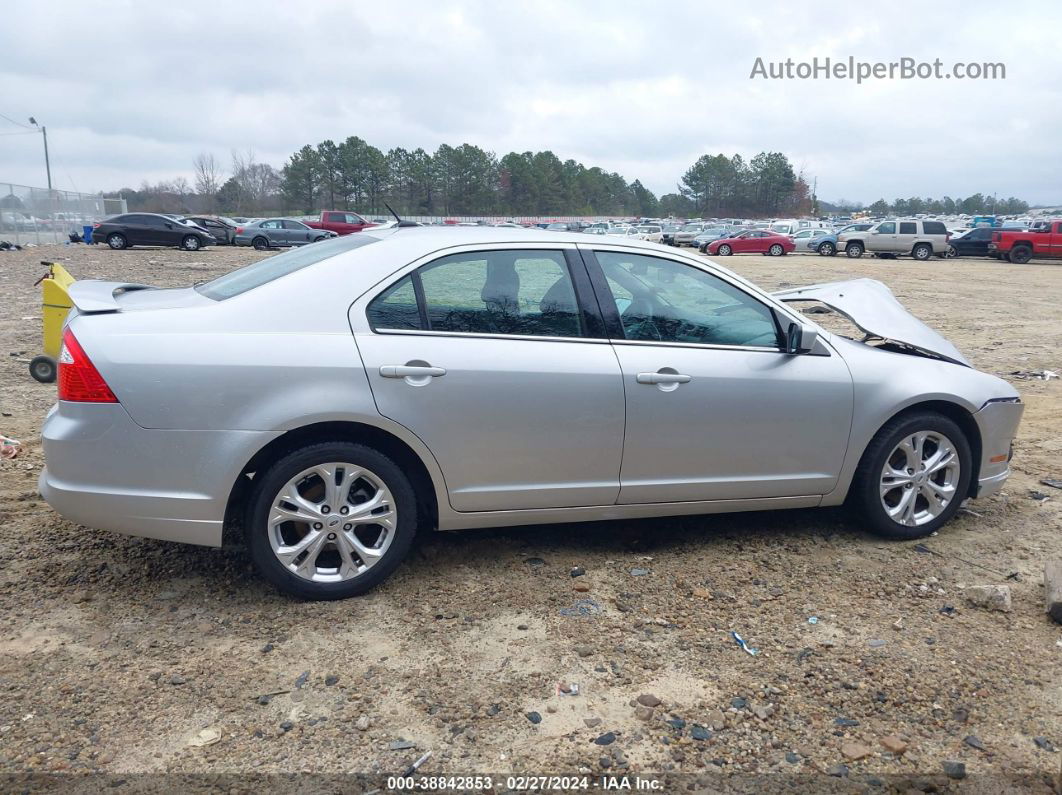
(776, 250)
(913, 476)
(330, 520)
(827, 249)
(190, 243)
(854, 249)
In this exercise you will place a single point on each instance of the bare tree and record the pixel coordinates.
(207, 178)
(257, 183)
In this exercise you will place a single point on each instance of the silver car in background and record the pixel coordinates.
(325, 404)
(277, 233)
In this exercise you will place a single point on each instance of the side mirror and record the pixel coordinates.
(800, 339)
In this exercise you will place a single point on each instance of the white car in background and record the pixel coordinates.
(651, 232)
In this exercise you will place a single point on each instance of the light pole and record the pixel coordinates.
(47, 163)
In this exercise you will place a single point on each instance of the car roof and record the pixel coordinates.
(432, 237)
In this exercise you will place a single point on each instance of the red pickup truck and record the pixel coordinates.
(342, 222)
(1021, 245)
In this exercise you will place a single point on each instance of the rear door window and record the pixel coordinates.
(909, 228)
(490, 292)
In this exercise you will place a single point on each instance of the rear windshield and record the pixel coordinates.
(258, 273)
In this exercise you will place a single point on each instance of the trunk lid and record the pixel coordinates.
(872, 307)
(93, 297)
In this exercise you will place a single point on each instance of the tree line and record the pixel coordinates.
(468, 180)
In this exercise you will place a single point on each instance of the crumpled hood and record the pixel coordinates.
(874, 309)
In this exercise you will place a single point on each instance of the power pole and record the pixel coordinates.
(47, 162)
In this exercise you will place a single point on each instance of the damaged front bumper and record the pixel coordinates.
(998, 422)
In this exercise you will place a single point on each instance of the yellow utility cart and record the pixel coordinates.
(55, 300)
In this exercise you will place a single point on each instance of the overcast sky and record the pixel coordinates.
(134, 90)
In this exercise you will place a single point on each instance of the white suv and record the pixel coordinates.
(921, 239)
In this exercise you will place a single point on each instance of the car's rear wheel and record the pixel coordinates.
(854, 249)
(913, 476)
(117, 241)
(1020, 254)
(260, 243)
(725, 250)
(922, 251)
(827, 249)
(190, 243)
(330, 520)
(43, 369)
(776, 250)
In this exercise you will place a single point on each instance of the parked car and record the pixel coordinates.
(1043, 240)
(684, 236)
(667, 235)
(754, 241)
(709, 235)
(651, 232)
(828, 244)
(342, 222)
(894, 237)
(222, 229)
(149, 229)
(329, 398)
(805, 237)
(971, 243)
(279, 232)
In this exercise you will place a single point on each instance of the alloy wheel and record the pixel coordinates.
(332, 522)
(919, 478)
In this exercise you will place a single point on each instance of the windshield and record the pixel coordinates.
(258, 273)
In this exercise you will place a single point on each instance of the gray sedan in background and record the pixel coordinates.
(278, 232)
(325, 404)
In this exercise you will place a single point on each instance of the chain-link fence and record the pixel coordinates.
(42, 216)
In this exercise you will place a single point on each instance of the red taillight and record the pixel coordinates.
(96, 225)
(79, 380)
(239, 230)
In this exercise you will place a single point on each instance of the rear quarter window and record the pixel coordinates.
(934, 228)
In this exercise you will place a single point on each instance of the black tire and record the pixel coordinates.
(278, 474)
(1020, 255)
(260, 243)
(827, 249)
(864, 496)
(117, 241)
(854, 249)
(724, 250)
(776, 250)
(952, 252)
(190, 243)
(922, 251)
(43, 369)
(319, 239)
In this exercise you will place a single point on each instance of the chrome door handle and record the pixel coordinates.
(410, 371)
(663, 378)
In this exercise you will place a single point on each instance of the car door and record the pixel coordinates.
(156, 232)
(976, 242)
(274, 230)
(716, 410)
(883, 238)
(135, 229)
(906, 236)
(297, 234)
(496, 359)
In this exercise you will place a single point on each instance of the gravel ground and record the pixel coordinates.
(123, 656)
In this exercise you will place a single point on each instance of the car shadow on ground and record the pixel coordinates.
(113, 558)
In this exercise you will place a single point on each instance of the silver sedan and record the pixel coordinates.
(325, 404)
(278, 232)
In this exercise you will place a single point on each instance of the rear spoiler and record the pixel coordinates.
(92, 296)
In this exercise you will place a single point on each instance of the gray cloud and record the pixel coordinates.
(133, 91)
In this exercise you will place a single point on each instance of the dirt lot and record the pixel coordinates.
(116, 652)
